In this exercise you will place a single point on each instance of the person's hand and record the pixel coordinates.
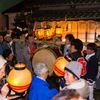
(25, 93)
(61, 81)
(4, 90)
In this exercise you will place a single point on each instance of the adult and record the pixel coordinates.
(8, 44)
(39, 89)
(98, 59)
(69, 94)
(1, 41)
(28, 51)
(3, 87)
(73, 79)
(91, 67)
(75, 53)
(69, 38)
(19, 45)
(8, 56)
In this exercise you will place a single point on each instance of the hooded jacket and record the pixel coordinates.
(39, 90)
(81, 86)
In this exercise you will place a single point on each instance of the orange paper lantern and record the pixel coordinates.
(52, 31)
(59, 32)
(39, 33)
(59, 65)
(19, 78)
(47, 33)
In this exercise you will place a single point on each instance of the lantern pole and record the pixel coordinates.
(95, 29)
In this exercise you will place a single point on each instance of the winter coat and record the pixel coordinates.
(19, 51)
(91, 68)
(39, 90)
(6, 45)
(75, 55)
(26, 54)
(81, 86)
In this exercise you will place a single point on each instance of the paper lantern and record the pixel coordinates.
(19, 78)
(60, 64)
(47, 33)
(52, 31)
(39, 33)
(59, 32)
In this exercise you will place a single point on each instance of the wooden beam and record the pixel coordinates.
(57, 42)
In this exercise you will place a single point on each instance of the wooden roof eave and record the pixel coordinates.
(68, 19)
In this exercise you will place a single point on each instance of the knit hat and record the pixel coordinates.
(74, 68)
(2, 62)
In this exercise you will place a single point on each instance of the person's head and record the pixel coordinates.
(2, 67)
(72, 72)
(69, 38)
(1, 38)
(7, 54)
(76, 45)
(30, 39)
(91, 48)
(7, 38)
(68, 94)
(41, 70)
(22, 36)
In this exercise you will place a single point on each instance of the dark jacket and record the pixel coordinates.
(6, 45)
(77, 56)
(91, 68)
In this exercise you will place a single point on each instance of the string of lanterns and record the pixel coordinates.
(48, 33)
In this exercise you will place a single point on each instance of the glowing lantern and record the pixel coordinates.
(60, 64)
(52, 30)
(19, 78)
(39, 33)
(59, 32)
(47, 33)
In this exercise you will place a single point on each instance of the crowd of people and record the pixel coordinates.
(79, 74)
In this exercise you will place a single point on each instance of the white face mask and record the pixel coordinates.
(10, 43)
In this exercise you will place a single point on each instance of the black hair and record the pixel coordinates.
(66, 94)
(92, 46)
(6, 53)
(21, 34)
(78, 44)
(70, 37)
(29, 35)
